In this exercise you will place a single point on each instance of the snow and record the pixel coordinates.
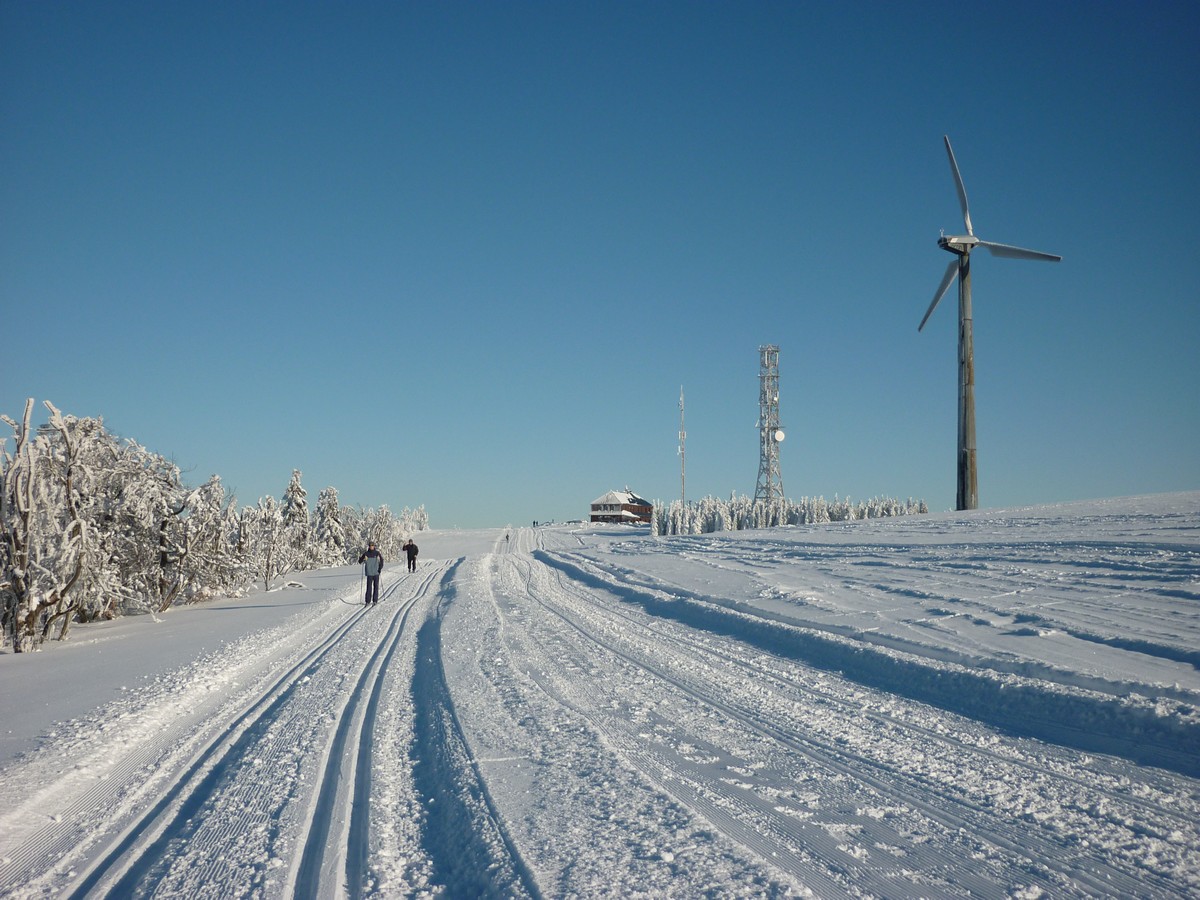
(1002, 703)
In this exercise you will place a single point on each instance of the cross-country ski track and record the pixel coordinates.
(557, 715)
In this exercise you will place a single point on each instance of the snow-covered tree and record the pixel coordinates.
(331, 537)
(381, 527)
(296, 523)
(92, 526)
(420, 520)
(264, 540)
(739, 512)
(210, 563)
(42, 533)
(356, 534)
(151, 517)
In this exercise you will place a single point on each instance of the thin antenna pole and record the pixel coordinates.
(770, 481)
(682, 454)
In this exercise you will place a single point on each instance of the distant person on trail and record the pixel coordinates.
(373, 565)
(410, 550)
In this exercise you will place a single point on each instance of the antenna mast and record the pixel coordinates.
(682, 454)
(770, 480)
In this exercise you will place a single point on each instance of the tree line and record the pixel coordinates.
(95, 527)
(740, 513)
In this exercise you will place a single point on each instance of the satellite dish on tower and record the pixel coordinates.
(779, 436)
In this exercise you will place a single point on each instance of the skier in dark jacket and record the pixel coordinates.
(410, 550)
(372, 561)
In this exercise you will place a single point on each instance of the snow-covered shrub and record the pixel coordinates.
(739, 513)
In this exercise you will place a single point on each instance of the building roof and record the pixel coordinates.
(620, 498)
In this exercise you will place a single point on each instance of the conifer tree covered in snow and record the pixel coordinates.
(212, 563)
(330, 530)
(92, 526)
(296, 523)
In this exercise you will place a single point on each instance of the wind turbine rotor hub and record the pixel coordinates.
(958, 243)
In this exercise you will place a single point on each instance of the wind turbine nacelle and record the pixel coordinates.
(958, 243)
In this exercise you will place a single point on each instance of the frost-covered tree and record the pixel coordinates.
(161, 541)
(210, 563)
(381, 527)
(117, 516)
(331, 536)
(92, 526)
(353, 521)
(43, 536)
(152, 526)
(296, 523)
(420, 520)
(740, 512)
(264, 541)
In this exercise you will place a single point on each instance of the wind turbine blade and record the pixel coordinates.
(958, 183)
(947, 280)
(1010, 252)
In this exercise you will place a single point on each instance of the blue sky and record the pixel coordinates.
(466, 254)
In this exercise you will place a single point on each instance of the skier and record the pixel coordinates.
(373, 561)
(410, 549)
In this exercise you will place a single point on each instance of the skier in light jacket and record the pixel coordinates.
(372, 561)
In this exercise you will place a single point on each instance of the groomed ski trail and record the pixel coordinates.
(543, 718)
(288, 750)
(796, 777)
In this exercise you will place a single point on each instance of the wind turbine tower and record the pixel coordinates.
(770, 481)
(961, 245)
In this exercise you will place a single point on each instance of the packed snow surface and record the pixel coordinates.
(1003, 703)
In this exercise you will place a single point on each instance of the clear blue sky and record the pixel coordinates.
(465, 254)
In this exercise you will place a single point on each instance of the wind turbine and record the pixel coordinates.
(961, 246)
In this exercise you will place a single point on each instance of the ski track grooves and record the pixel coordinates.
(778, 839)
(954, 813)
(472, 853)
(1024, 707)
(308, 879)
(139, 860)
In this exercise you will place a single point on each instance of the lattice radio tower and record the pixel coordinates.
(770, 481)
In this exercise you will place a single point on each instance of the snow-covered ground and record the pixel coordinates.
(1000, 703)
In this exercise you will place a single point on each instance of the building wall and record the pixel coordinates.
(612, 512)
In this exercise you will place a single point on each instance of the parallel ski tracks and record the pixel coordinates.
(1021, 587)
(952, 812)
(472, 850)
(237, 769)
(314, 862)
(776, 676)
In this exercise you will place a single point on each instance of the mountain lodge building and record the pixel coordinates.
(621, 506)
